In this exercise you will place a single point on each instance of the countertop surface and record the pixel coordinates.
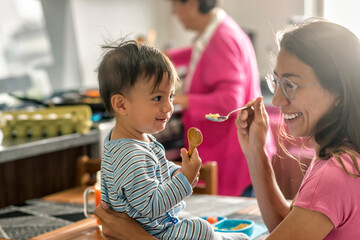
(60, 220)
(18, 148)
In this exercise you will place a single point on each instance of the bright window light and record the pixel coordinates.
(343, 12)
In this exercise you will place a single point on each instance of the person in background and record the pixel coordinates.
(137, 85)
(222, 76)
(316, 84)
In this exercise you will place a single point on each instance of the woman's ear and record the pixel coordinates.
(194, 8)
(118, 103)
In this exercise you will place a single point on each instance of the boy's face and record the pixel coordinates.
(148, 111)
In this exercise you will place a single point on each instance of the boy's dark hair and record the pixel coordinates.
(124, 64)
(205, 5)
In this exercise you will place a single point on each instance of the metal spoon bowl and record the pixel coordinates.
(218, 118)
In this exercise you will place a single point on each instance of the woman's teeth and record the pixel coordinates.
(292, 116)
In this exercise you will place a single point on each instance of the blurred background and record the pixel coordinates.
(49, 52)
(50, 46)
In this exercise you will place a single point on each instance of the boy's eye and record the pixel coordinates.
(157, 98)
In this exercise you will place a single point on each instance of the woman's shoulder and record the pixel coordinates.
(332, 176)
(230, 32)
(343, 164)
(329, 189)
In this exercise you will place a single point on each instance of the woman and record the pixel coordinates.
(222, 76)
(316, 84)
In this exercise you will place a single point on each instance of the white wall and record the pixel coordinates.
(98, 20)
(265, 18)
(344, 12)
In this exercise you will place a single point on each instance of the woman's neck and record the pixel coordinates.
(204, 20)
(315, 145)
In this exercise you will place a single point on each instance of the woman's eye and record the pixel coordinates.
(172, 96)
(288, 85)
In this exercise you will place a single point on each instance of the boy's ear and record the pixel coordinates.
(118, 104)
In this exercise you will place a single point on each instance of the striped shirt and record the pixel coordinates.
(137, 179)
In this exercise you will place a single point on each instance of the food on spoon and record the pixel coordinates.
(212, 116)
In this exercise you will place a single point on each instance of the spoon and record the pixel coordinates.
(195, 138)
(217, 118)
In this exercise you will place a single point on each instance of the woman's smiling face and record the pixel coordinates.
(310, 104)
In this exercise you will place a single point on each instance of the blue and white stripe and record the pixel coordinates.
(137, 179)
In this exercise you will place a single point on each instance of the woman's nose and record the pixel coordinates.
(279, 98)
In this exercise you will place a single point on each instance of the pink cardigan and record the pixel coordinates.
(226, 77)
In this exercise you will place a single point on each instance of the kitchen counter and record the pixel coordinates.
(17, 148)
(35, 167)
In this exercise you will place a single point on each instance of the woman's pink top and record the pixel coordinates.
(328, 189)
(225, 78)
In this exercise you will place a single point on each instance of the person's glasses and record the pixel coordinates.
(287, 86)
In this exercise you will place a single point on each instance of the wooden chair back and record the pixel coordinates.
(86, 170)
(208, 179)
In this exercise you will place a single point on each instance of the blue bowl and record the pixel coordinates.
(220, 219)
(227, 224)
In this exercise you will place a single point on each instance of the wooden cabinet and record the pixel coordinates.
(42, 166)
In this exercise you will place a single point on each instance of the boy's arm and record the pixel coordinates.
(173, 168)
(145, 192)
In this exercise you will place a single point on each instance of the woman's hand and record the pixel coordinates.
(252, 124)
(119, 225)
(182, 100)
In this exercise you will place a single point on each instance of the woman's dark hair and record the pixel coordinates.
(205, 5)
(125, 63)
(333, 53)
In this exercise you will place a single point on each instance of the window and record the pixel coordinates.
(343, 12)
(24, 46)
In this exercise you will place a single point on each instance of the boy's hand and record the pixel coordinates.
(190, 166)
(193, 184)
